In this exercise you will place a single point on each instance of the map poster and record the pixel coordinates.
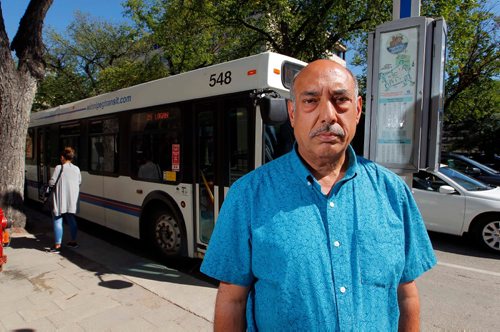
(397, 96)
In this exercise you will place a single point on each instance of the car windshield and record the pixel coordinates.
(482, 166)
(467, 182)
(456, 161)
(489, 169)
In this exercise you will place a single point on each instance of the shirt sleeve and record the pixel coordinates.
(228, 257)
(55, 175)
(418, 248)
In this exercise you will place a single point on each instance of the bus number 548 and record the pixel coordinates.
(221, 78)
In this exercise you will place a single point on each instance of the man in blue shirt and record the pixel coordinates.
(319, 240)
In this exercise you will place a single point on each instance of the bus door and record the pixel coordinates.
(206, 188)
(224, 146)
(42, 159)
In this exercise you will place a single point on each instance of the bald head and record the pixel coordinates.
(319, 66)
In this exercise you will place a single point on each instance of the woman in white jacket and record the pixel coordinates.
(66, 180)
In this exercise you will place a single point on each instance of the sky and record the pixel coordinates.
(61, 13)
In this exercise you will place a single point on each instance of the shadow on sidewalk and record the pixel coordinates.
(40, 230)
(140, 263)
(40, 241)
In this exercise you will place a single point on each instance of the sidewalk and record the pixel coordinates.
(97, 287)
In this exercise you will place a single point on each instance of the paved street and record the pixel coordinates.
(462, 293)
(110, 285)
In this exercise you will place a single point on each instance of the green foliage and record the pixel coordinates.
(473, 122)
(93, 58)
(472, 43)
(127, 73)
(472, 113)
(306, 30)
(191, 33)
(186, 37)
(59, 88)
(195, 33)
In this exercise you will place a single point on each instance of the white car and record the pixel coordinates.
(453, 203)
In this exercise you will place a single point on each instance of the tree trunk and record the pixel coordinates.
(17, 93)
(18, 85)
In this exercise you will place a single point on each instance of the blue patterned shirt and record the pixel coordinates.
(319, 262)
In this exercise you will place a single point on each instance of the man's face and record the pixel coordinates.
(324, 97)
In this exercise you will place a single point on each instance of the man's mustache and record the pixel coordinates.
(335, 129)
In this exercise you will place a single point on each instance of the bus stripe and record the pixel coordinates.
(106, 203)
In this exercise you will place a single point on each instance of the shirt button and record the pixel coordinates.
(332, 204)
(336, 244)
(342, 290)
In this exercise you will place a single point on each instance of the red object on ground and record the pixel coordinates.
(4, 237)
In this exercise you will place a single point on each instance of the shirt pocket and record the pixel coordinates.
(380, 256)
(288, 245)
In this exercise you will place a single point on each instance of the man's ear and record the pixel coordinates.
(359, 108)
(291, 112)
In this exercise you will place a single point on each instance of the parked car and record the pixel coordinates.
(492, 161)
(454, 203)
(472, 168)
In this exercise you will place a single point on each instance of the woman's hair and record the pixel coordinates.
(68, 153)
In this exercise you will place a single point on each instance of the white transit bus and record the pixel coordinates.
(158, 158)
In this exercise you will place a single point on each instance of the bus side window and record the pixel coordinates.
(238, 142)
(69, 135)
(144, 163)
(155, 148)
(104, 146)
(29, 144)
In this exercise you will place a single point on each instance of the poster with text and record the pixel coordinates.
(397, 96)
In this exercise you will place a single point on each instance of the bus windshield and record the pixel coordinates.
(278, 140)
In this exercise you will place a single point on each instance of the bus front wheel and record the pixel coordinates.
(167, 234)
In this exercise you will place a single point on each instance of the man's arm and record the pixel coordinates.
(230, 308)
(409, 307)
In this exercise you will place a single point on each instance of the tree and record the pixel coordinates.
(471, 109)
(207, 32)
(186, 32)
(473, 119)
(18, 85)
(472, 44)
(93, 58)
(307, 30)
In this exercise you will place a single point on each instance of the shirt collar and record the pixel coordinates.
(300, 169)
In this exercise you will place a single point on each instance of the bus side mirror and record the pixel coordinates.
(273, 110)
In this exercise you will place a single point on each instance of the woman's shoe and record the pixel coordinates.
(72, 244)
(55, 250)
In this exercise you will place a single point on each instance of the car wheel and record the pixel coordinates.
(167, 234)
(487, 233)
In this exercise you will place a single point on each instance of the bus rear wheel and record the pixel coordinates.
(167, 234)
